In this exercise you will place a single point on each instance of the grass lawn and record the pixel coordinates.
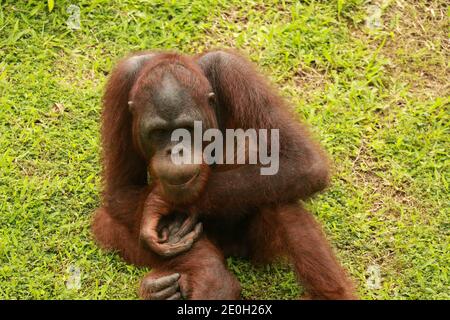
(370, 79)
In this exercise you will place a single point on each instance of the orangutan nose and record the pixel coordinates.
(175, 152)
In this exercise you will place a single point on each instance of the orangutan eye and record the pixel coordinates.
(188, 128)
(158, 133)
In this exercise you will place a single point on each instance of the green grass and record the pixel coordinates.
(377, 99)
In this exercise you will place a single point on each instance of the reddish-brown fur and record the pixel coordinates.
(243, 213)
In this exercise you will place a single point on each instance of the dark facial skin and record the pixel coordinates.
(169, 106)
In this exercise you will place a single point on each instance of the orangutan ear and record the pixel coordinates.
(131, 106)
(129, 71)
(212, 98)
